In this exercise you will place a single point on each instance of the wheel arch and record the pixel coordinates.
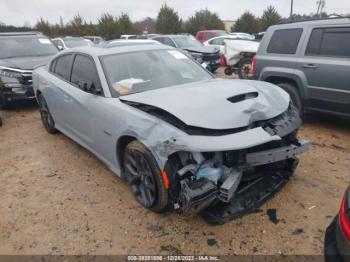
(121, 145)
(296, 79)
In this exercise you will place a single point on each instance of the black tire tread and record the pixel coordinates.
(294, 95)
(162, 201)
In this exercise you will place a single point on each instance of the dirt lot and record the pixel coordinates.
(57, 198)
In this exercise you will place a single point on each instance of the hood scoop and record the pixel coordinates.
(242, 97)
(216, 104)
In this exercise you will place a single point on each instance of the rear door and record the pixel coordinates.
(326, 65)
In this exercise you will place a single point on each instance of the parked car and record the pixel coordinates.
(95, 39)
(238, 57)
(243, 35)
(126, 37)
(259, 36)
(207, 56)
(219, 42)
(205, 35)
(120, 42)
(182, 139)
(67, 42)
(20, 53)
(311, 61)
(337, 239)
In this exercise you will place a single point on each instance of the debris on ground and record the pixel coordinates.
(211, 242)
(272, 214)
(51, 175)
(298, 231)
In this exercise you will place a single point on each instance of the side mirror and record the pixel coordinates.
(60, 48)
(90, 87)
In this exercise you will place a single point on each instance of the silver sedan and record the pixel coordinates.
(182, 138)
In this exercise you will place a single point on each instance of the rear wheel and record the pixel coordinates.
(294, 95)
(144, 177)
(245, 68)
(46, 116)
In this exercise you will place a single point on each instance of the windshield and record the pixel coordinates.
(186, 41)
(141, 71)
(76, 42)
(25, 46)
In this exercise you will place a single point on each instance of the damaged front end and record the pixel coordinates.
(224, 185)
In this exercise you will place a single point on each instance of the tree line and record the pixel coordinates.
(168, 21)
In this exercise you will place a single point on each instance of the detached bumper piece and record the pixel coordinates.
(249, 196)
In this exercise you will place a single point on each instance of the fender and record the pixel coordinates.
(296, 75)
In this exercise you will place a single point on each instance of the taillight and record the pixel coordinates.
(252, 71)
(222, 60)
(344, 215)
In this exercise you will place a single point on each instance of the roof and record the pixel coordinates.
(105, 50)
(171, 35)
(330, 21)
(20, 33)
(211, 30)
(68, 37)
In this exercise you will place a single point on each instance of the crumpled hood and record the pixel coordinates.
(202, 49)
(217, 103)
(25, 63)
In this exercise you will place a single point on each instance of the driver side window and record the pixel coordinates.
(84, 71)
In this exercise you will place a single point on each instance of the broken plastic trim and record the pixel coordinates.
(250, 197)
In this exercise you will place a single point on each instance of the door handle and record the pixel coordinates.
(311, 66)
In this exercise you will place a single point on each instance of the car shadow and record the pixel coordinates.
(327, 120)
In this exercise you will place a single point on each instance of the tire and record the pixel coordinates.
(245, 68)
(46, 117)
(294, 95)
(228, 71)
(144, 178)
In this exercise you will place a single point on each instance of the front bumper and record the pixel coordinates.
(336, 247)
(9, 96)
(277, 154)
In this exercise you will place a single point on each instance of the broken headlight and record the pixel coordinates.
(10, 78)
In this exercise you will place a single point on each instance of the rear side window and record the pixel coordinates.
(217, 41)
(285, 41)
(63, 66)
(84, 70)
(334, 42)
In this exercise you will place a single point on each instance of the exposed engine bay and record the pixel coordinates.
(214, 183)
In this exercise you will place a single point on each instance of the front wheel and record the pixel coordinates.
(294, 95)
(46, 116)
(245, 68)
(145, 178)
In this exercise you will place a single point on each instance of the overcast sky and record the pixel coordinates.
(17, 12)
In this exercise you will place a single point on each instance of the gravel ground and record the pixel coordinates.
(57, 198)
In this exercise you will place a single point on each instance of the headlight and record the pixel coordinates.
(9, 73)
(9, 78)
(198, 57)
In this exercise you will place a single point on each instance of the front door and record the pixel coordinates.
(326, 65)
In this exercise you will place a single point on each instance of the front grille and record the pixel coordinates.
(211, 57)
(26, 78)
